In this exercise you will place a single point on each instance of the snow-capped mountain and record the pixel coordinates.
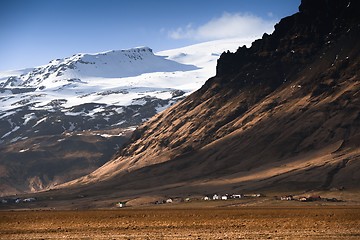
(63, 120)
(112, 64)
(96, 91)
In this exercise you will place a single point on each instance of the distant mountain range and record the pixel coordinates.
(100, 94)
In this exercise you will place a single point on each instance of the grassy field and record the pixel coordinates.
(326, 222)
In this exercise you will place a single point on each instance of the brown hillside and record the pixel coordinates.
(282, 115)
(40, 163)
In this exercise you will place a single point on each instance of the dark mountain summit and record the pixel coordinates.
(281, 115)
(298, 38)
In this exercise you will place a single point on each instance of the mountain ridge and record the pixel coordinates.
(110, 64)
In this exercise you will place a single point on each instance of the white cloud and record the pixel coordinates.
(227, 26)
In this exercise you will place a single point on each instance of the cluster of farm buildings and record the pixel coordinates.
(224, 197)
(306, 199)
(213, 197)
(17, 200)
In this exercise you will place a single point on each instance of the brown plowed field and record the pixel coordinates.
(202, 223)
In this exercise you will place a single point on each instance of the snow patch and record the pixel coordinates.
(106, 135)
(24, 150)
(13, 130)
(7, 114)
(29, 117)
(40, 121)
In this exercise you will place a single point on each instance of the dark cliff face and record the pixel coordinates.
(315, 49)
(297, 38)
(287, 107)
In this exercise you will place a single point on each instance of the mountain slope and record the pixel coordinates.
(283, 114)
(86, 101)
(39, 163)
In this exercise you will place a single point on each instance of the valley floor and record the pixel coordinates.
(310, 222)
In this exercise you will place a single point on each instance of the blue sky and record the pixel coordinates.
(33, 32)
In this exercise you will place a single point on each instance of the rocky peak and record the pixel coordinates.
(297, 37)
(329, 8)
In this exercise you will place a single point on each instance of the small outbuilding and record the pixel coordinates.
(237, 196)
(215, 197)
(29, 199)
(224, 197)
(287, 198)
(303, 199)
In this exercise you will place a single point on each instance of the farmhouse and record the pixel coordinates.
(29, 199)
(287, 198)
(303, 199)
(215, 197)
(237, 196)
(224, 197)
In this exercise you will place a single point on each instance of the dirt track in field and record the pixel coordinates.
(211, 223)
